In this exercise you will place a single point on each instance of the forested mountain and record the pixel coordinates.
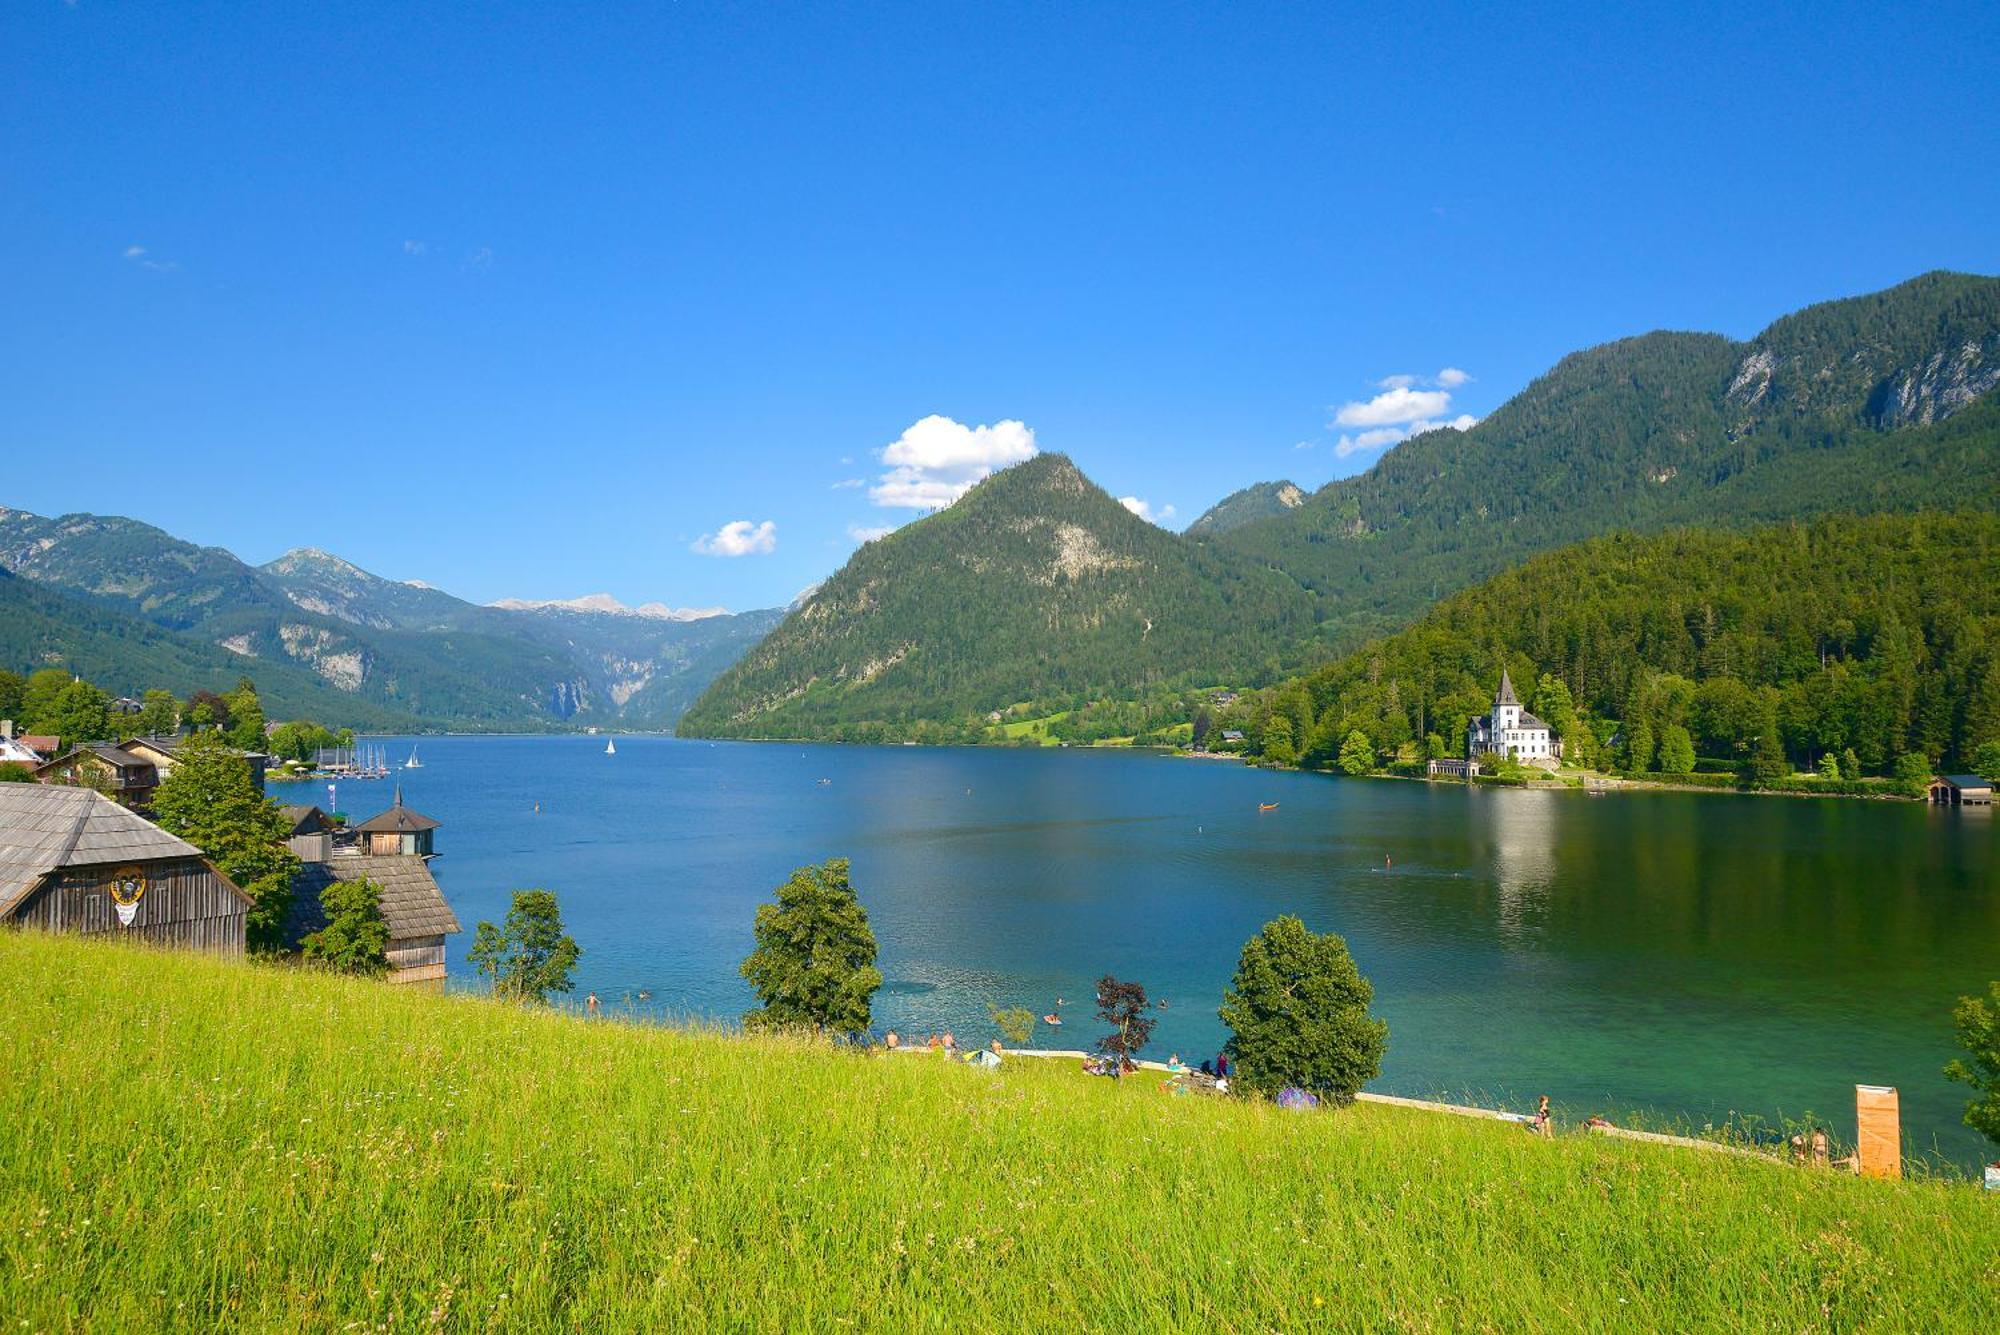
(1261, 501)
(397, 651)
(1036, 585)
(1879, 636)
(1882, 402)
(127, 655)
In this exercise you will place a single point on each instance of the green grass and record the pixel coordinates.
(191, 1143)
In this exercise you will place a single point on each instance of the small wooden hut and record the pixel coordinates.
(399, 830)
(73, 860)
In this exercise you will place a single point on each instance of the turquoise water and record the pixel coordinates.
(1690, 955)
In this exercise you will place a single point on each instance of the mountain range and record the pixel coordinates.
(1037, 592)
(131, 606)
(1035, 588)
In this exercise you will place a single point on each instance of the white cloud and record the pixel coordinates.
(1305, 444)
(938, 460)
(1401, 404)
(1145, 511)
(848, 484)
(1389, 435)
(739, 537)
(416, 247)
(1408, 405)
(140, 256)
(868, 533)
(481, 258)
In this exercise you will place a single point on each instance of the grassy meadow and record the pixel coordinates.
(189, 1143)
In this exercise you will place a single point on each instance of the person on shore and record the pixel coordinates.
(950, 1044)
(593, 1006)
(891, 1041)
(1175, 1065)
(931, 1042)
(1544, 1123)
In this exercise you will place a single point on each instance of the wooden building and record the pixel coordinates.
(398, 830)
(126, 778)
(164, 752)
(73, 860)
(308, 833)
(393, 850)
(1962, 790)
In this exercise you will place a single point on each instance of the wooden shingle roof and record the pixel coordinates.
(398, 819)
(47, 827)
(412, 904)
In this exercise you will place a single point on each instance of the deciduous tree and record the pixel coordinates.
(1298, 1010)
(814, 966)
(1978, 1021)
(529, 957)
(211, 801)
(356, 938)
(1122, 1006)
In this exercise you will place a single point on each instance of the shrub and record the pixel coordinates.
(355, 939)
(531, 956)
(1978, 1022)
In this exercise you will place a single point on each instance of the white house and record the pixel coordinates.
(1511, 730)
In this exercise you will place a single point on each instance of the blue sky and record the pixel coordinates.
(540, 300)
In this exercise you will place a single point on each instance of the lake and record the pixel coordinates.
(1684, 954)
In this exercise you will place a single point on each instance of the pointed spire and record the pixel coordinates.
(1505, 695)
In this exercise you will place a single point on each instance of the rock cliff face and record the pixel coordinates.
(1945, 382)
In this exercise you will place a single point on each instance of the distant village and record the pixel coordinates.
(81, 852)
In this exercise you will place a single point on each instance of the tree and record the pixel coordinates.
(79, 713)
(1202, 724)
(1978, 1021)
(1986, 760)
(1279, 746)
(11, 686)
(1829, 766)
(1850, 764)
(1912, 772)
(1639, 747)
(1676, 750)
(355, 939)
(1298, 1009)
(38, 698)
(1015, 1023)
(161, 714)
(211, 801)
(246, 716)
(206, 709)
(1553, 705)
(1767, 763)
(530, 956)
(1356, 755)
(300, 740)
(1123, 1007)
(814, 966)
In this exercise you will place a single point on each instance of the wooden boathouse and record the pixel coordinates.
(1962, 790)
(394, 851)
(73, 860)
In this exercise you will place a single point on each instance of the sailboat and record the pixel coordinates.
(413, 762)
(610, 746)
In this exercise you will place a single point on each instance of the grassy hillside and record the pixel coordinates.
(192, 1143)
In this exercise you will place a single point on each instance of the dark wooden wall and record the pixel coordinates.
(186, 904)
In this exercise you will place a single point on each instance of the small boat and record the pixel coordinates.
(1052, 1019)
(610, 746)
(413, 762)
(1267, 806)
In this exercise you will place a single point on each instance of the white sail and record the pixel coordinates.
(413, 762)
(610, 746)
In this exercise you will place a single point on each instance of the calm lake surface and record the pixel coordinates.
(1689, 955)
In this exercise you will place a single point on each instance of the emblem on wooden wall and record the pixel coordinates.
(128, 886)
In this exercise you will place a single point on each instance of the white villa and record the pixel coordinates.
(1511, 730)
